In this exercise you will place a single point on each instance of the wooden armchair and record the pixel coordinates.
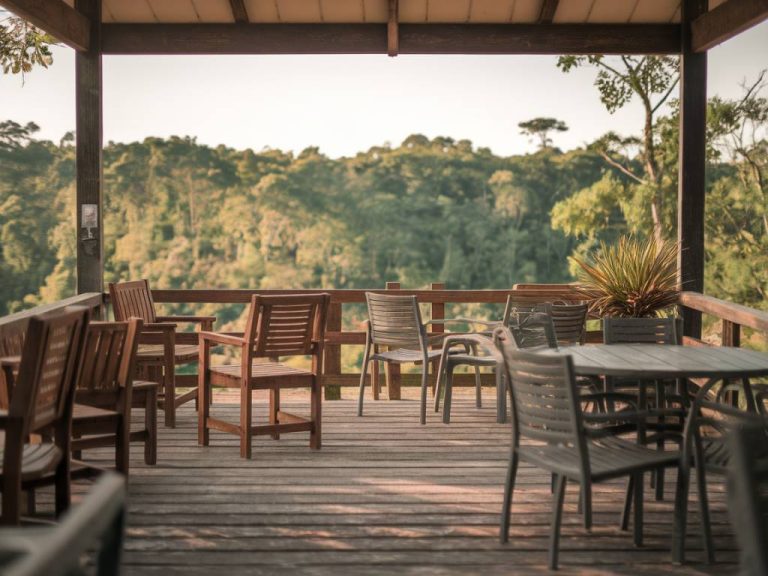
(159, 353)
(41, 403)
(102, 411)
(277, 326)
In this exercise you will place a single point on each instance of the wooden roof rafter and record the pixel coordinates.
(55, 17)
(548, 9)
(239, 11)
(726, 21)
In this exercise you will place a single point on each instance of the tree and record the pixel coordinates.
(22, 46)
(541, 127)
(651, 79)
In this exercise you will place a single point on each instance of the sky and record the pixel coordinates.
(346, 104)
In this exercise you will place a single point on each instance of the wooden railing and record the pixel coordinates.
(733, 317)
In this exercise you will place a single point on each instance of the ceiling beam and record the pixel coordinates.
(372, 39)
(239, 11)
(56, 18)
(725, 22)
(392, 28)
(548, 9)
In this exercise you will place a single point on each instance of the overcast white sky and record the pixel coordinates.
(345, 104)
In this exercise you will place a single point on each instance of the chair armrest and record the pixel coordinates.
(474, 340)
(463, 320)
(220, 338)
(12, 362)
(205, 322)
(158, 327)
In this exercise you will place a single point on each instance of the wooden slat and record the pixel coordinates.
(548, 9)
(736, 313)
(726, 21)
(392, 28)
(55, 17)
(372, 39)
(239, 11)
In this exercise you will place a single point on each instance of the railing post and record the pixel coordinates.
(332, 361)
(393, 370)
(731, 334)
(438, 313)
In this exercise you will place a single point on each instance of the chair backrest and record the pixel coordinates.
(544, 396)
(132, 300)
(535, 330)
(287, 325)
(97, 522)
(49, 362)
(570, 321)
(640, 331)
(519, 306)
(395, 320)
(748, 494)
(109, 359)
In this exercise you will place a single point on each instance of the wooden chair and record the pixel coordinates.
(96, 523)
(546, 406)
(395, 322)
(158, 353)
(277, 326)
(748, 494)
(41, 403)
(103, 397)
(711, 421)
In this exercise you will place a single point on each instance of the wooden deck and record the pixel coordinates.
(384, 495)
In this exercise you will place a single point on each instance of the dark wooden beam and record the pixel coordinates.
(372, 39)
(88, 101)
(55, 17)
(692, 156)
(548, 9)
(239, 11)
(726, 21)
(392, 28)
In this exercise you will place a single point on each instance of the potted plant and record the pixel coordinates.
(634, 278)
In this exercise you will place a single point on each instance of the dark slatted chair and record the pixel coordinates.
(102, 411)
(711, 421)
(534, 330)
(158, 353)
(41, 403)
(748, 494)
(570, 322)
(549, 431)
(278, 326)
(395, 322)
(93, 529)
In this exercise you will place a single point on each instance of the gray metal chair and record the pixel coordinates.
(748, 494)
(489, 357)
(711, 421)
(546, 407)
(395, 322)
(570, 322)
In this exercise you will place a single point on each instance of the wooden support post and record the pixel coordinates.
(393, 370)
(438, 313)
(332, 361)
(731, 334)
(693, 134)
(88, 98)
(393, 38)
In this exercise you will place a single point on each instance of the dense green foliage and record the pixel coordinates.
(22, 46)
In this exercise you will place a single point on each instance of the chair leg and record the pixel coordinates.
(638, 504)
(316, 403)
(424, 385)
(557, 515)
(585, 497)
(447, 402)
(150, 422)
(509, 488)
(661, 401)
(246, 414)
(169, 384)
(478, 383)
(627, 509)
(203, 392)
(274, 408)
(701, 486)
(681, 513)
(441, 369)
(501, 396)
(122, 446)
(363, 373)
(63, 487)
(11, 501)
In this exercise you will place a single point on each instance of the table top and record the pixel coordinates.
(664, 361)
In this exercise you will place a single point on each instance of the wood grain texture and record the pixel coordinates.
(372, 39)
(726, 21)
(736, 313)
(239, 11)
(548, 9)
(55, 17)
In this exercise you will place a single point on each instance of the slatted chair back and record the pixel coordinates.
(519, 306)
(570, 322)
(535, 330)
(544, 396)
(49, 361)
(395, 321)
(640, 331)
(748, 494)
(108, 361)
(286, 325)
(132, 300)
